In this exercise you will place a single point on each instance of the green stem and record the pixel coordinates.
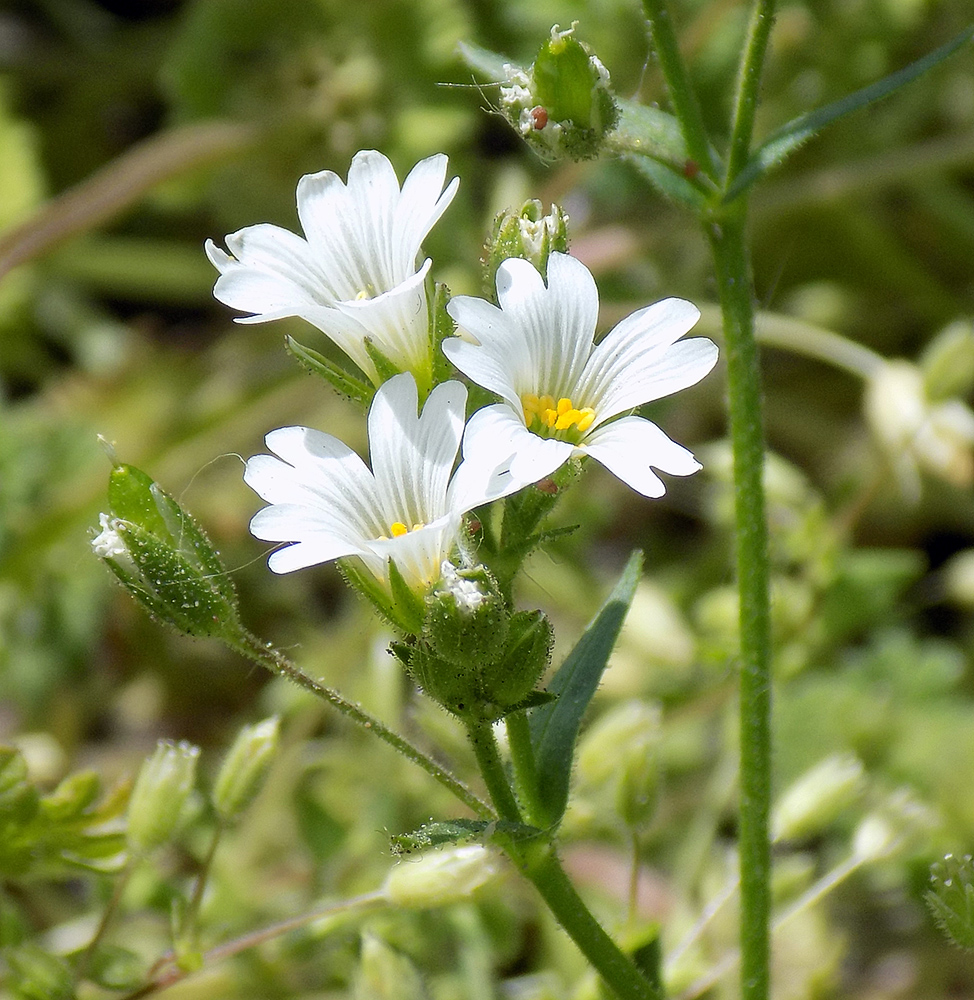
(748, 87)
(85, 960)
(188, 930)
(277, 663)
(484, 745)
(541, 866)
(525, 766)
(678, 86)
(729, 246)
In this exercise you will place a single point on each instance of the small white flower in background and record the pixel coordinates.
(354, 275)
(560, 391)
(328, 504)
(917, 432)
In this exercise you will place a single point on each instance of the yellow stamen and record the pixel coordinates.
(398, 528)
(560, 416)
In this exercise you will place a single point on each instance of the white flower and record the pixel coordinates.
(354, 275)
(560, 391)
(328, 505)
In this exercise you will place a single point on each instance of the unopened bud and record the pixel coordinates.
(948, 362)
(386, 974)
(440, 877)
(466, 618)
(525, 232)
(817, 798)
(163, 558)
(161, 790)
(244, 768)
(562, 105)
(511, 679)
(620, 750)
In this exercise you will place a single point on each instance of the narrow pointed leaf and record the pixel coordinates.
(554, 727)
(789, 137)
(340, 380)
(671, 183)
(648, 132)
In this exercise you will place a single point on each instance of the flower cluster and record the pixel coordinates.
(561, 395)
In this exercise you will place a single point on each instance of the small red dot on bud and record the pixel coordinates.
(548, 486)
(690, 169)
(539, 117)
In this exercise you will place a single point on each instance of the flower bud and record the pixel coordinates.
(525, 232)
(440, 877)
(508, 681)
(163, 558)
(901, 823)
(951, 898)
(814, 801)
(466, 619)
(917, 432)
(562, 105)
(244, 768)
(948, 362)
(161, 790)
(386, 974)
(621, 750)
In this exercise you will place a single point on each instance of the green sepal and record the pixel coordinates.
(176, 591)
(409, 607)
(785, 140)
(361, 580)
(563, 80)
(951, 898)
(384, 368)
(187, 535)
(340, 380)
(555, 727)
(526, 657)
(130, 499)
(443, 328)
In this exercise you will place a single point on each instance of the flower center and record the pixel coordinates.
(562, 420)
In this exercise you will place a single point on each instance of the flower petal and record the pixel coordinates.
(630, 448)
(496, 434)
(418, 554)
(639, 360)
(413, 456)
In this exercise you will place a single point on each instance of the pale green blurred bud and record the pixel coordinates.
(621, 749)
(947, 362)
(958, 578)
(562, 105)
(386, 974)
(900, 824)
(164, 559)
(916, 432)
(161, 790)
(818, 797)
(441, 877)
(951, 898)
(525, 232)
(244, 768)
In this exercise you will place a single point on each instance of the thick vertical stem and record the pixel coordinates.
(484, 745)
(727, 240)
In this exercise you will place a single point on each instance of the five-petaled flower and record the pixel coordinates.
(354, 275)
(561, 393)
(327, 503)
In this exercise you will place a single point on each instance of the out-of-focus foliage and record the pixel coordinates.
(868, 231)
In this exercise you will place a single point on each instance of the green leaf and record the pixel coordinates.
(671, 183)
(336, 376)
(789, 137)
(554, 727)
(951, 898)
(460, 831)
(483, 61)
(649, 132)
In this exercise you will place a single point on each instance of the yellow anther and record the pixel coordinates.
(398, 529)
(586, 418)
(566, 418)
(564, 405)
(550, 417)
(362, 295)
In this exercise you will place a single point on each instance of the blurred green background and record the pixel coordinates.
(161, 123)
